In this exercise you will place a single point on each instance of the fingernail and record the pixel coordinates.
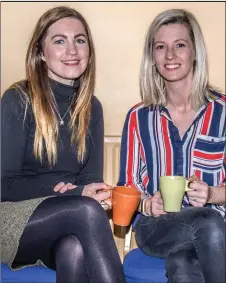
(72, 187)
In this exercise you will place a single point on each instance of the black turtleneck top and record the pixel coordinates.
(24, 177)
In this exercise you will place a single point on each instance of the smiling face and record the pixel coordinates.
(174, 53)
(66, 50)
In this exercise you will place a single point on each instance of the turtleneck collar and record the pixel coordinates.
(64, 92)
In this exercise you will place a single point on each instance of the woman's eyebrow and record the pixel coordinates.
(158, 42)
(180, 39)
(64, 36)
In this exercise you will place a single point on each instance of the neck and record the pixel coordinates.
(178, 95)
(60, 80)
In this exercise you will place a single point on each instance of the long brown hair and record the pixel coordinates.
(39, 93)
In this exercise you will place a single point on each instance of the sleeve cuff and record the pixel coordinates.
(141, 208)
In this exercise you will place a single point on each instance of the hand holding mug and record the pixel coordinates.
(154, 205)
(199, 193)
(98, 191)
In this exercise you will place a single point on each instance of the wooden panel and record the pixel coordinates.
(124, 237)
(111, 159)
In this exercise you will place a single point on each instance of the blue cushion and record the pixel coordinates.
(35, 274)
(141, 268)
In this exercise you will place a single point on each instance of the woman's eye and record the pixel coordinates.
(59, 41)
(159, 47)
(180, 45)
(80, 41)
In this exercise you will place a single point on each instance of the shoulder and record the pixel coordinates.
(138, 110)
(15, 99)
(10, 95)
(96, 115)
(16, 94)
(217, 98)
(96, 106)
(11, 101)
(221, 99)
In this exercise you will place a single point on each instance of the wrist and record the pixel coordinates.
(146, 207)
(210, 195)
(84, 191)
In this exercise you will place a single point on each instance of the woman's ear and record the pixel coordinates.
(42, 56)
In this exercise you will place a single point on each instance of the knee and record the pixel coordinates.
(210, 224)
(68, 245)
(209, 219)
(93, 210)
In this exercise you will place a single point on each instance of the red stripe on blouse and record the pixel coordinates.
(198, 173)
(130, 160)
(207, 119)
(209, 156)
(167, 146)
(145, 181)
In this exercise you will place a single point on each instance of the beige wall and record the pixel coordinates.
(118, 30)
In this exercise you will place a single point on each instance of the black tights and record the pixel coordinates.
(72, 235)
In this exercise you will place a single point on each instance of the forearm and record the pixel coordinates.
(217, 195)
(19, 189)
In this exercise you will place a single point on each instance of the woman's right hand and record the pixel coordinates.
(154, 205)
(98, 191)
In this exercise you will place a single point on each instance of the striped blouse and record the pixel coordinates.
(151, 147)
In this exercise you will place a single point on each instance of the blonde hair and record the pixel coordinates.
(151, 83)
(38, 92)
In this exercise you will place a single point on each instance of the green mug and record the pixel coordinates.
(172, 189)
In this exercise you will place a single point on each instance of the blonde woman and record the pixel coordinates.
(52, 158)
(178, 129)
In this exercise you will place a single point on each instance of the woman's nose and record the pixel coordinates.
(72, 49)
(170, 53)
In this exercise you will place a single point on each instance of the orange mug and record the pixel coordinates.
(125, 200)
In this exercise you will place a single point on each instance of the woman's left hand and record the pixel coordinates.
(199, 195)
(62, 187)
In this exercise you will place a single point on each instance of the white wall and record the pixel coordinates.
(118, 30)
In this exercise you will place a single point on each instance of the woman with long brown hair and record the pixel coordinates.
(52, 158)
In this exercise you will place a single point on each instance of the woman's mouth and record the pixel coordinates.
(71, 62)
(172, 66)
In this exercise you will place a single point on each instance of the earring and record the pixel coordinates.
(153, 63)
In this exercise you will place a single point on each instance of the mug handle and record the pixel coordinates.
(187, 185)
